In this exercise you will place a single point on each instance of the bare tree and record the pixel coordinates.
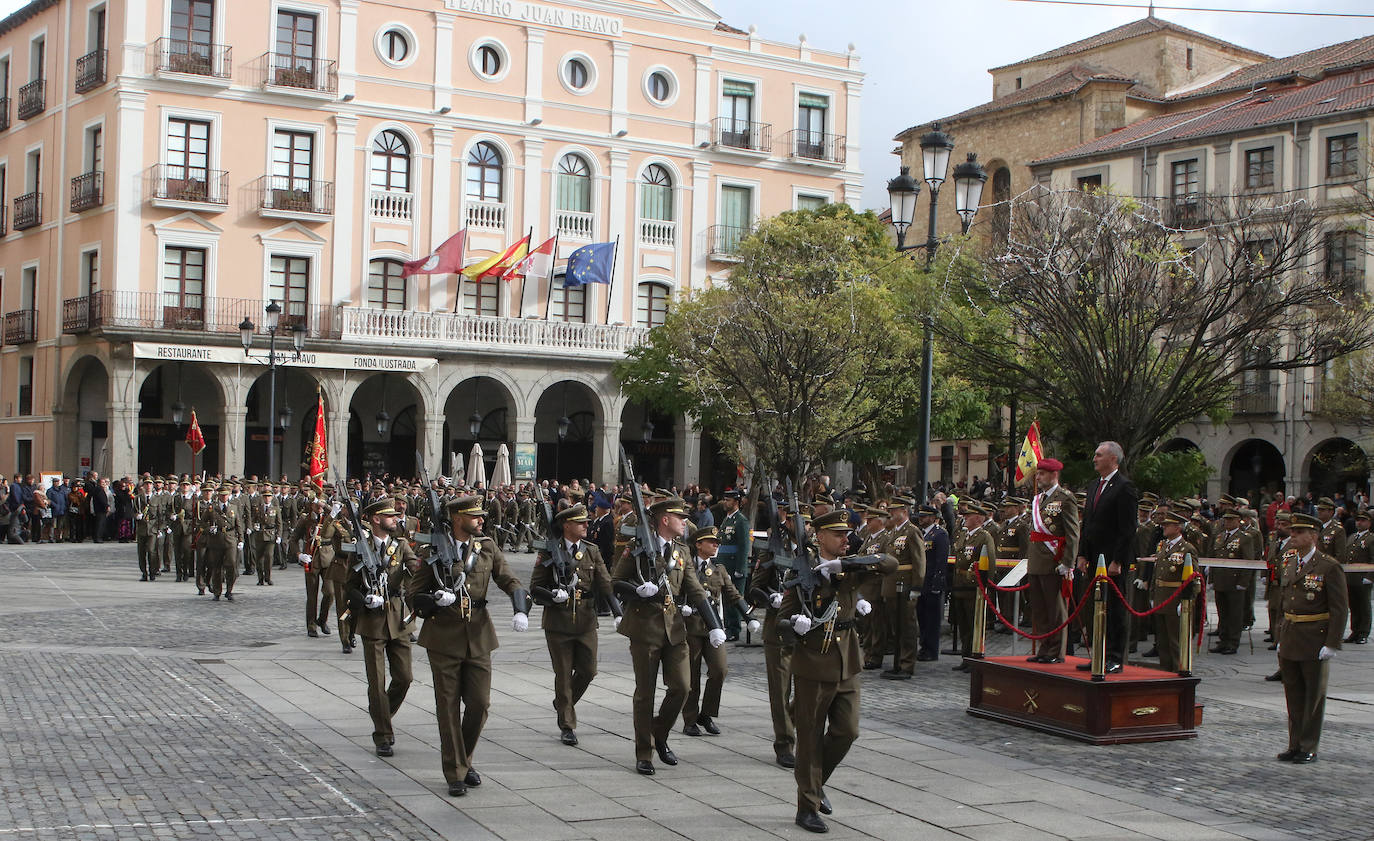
(1127, 317)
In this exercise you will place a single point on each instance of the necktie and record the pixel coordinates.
(1101, 486)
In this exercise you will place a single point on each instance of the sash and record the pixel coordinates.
(1040, 533)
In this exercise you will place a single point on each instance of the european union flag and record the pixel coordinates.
(590, 264)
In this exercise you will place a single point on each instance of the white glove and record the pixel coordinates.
(257, 528)
(716, 637)
(445, 598)
(913, 595)
(214, 529)
(647, 590)
(801, 623)
(1064, 570)
(862, 607)
(167, 531)
(303, 558)
(830, 567)
(1142, 584)
(775, 600)
(372, 600)
(240, 544)
(335, 509)
(138, 516)
(687, 611)
(278, 541)
(560, 595)
(1366, 581)
(617, 622)
(754, 626)
(520, 622)
(1325, 653)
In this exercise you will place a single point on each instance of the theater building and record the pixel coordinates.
(170, 167)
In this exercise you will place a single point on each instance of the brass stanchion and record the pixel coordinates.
(980, 617)
(1099, 654)
(1185, 622)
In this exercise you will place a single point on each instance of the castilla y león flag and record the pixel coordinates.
(446, 259)
(193, 437)
(319, 460)
(1031, 453)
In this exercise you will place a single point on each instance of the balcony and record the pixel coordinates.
(658, 233)
(193, 61)
(392, 206)
(188, 188)
(815, 147)
(1186, 212)
(532, 337)
(575, 224)
(4, 113)
(143, 312)
(32, 99)
(88, 191)
(294, 198)
(21, 327)
(90, 70)
(28, 211)
(486, 216)
(1257, 399)
(741, 135)
(1350, 281)
(722, 242)
(295, 74)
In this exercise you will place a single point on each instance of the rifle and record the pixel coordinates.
(441, 551)
(368, 561)
(646, 559)
(803, 576)
(564, 568)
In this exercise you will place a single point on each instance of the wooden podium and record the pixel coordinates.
(1135, 705)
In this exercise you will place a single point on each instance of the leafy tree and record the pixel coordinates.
(1177, 474)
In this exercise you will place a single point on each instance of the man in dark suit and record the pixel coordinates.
(1108, 529)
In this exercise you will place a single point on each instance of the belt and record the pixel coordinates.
(1306, 617)
(1168, 583)
(844, 624)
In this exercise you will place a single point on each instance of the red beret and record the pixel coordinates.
(1049, 464)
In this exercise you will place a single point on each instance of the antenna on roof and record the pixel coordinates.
(1151, 13)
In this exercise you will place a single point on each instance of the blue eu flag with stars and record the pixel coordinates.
(590, 264)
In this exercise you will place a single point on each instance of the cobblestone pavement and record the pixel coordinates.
(132, 709)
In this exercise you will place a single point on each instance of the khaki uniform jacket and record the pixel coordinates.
(388, 621)
(842, 659)
(591, 577)
(966, 552)
(267, 522)
(143, 514)
(651, 620)
(1314, 589)
(1240, 543)
(906, 545)
(873, 544)
(1168, 571)
(446, 631)
(715, 580)
(1013, 542)
(332, 535)
(1359, 549)
(220, 528)
(1059, 513)
(1331, 540)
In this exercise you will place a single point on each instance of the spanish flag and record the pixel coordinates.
(501, 263)
(1031, 453)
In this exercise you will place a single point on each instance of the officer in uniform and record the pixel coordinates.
(267, 532)
(241, 500)
(459, 636)
(1013, 544)
(975, 542)
(316, 552)
(701, 708)
(1359, 549)
(734, 553)
(1054, 545)
(652, 587)
(222, 530)
(765, 590)
(1229, 542)
(932, 601)
(1273, 586)
(826, 662)
(1315, 609)
(148, 565)
(1170, 559)
(162, 524)
(376, 601)
(873, 627)
(199, 536)
(183, 517)
(568, 586)
(1331, 537)
(1143, 545)
(902, 586)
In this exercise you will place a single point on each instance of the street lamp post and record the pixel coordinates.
(902, 192)
(271, 320)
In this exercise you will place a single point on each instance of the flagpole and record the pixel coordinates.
(462, 253)
(524, 278)
(610, 286)
(548, 299)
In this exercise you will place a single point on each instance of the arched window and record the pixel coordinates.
(567, 303)
(656, 194)
(386, 288)
(574, 184)
(651, 305)
(484, 173)
(391, 162)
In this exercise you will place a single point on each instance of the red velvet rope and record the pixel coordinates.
(1081, 604)
(1012, 625)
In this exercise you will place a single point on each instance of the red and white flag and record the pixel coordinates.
(537, 265)
(446, 259)
(194, 438)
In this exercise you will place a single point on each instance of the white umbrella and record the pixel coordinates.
(477, 469)
(500, 475)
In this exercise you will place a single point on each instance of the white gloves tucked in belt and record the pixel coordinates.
(801, 623)
(444, 598)
(647, 590)
(372, 600)
(560, 595)
(862, 607)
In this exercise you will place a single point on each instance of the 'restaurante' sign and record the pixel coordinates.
(309, 359)
(534, 13)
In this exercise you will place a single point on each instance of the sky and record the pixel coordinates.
(926, 59)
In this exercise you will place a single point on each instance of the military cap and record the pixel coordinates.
(467, 506)
(1232, 512)
(823, 499)
(268, 491)
(1172, 519)
(624, 497)
(707, 533)
(871, 511)
(732, 493)
(185, 481)
(1284, 517)
(1248, 512)
(1305, 521)
(671, 505)
(224, 490)
(927, 511)
(571, 514)
(832, 521)
(1009, 500)
(1051, 464)
(1227, 499)
(663, 494)
(1190, 504)
(898, 502)
(380, 507)
(1362, 514)
(1150, 496)
(1144, 505)
(1325, 502)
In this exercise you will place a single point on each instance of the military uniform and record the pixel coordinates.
(1013, 544)
(148, 564)
(199, 537)
(315, 552)
(734, 557)
(1144, 545)
(266, 515)
(1054, 542)
(1315, 609)
(1273, 587)
(765, 588)
(1169, 563)
(1228, 585)
(222, 530)
(873, 631)
(569, 623)
(1359, 549)
(964, 597)
(702, 706)
(183, 520)
(901, 589)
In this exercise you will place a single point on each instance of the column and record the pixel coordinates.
(533, 206)
(620, 84)
(853, 178)
(606, 453)
(432, 442)
(345, 211)
(524, 435)
(697, 246)
(231, 432)
(121, 445)
(703, 89)
(129, 158)
(441, 204)
(348, 47)
(615, 293)
(686, 452)
(534, 75)
(443, 60)
(336, 431)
